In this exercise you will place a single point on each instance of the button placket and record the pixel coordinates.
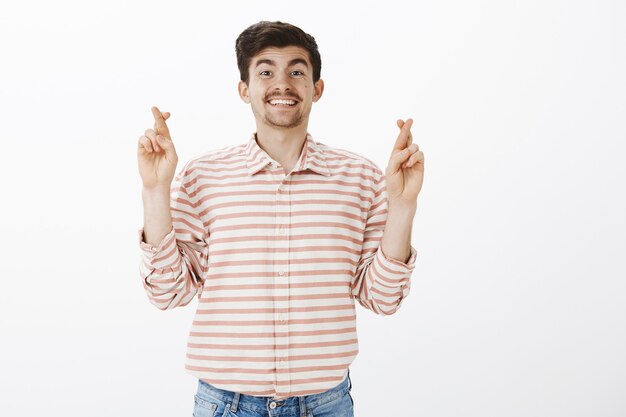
(281, 291)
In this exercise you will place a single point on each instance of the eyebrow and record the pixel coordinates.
(291, 63)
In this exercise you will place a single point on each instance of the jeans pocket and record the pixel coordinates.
(203, 408)
(339, 407)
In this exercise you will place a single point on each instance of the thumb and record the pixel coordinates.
(167, 145)
(396, 160)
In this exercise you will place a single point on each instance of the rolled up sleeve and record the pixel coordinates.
(173, 272)
(381, 283)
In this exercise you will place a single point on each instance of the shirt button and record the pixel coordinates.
(282, 230)
(272, 405)
(281, 317)
(281, 272)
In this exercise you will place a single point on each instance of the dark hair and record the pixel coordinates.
(274, 34)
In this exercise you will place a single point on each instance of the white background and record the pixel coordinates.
(518, 299)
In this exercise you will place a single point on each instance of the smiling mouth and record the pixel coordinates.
(282, 102)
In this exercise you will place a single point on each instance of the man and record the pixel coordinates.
(276, 237)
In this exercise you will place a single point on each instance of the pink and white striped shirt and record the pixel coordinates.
(276, 262)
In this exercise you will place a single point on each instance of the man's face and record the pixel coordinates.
(280, 88)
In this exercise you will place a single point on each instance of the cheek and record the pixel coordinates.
(257, 96)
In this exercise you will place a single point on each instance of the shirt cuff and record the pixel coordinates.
(395, 264)
(150, 250)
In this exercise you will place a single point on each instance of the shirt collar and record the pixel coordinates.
(312, 157)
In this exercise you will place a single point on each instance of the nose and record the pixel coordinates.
(282, 82)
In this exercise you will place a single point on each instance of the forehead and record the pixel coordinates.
(281, 55)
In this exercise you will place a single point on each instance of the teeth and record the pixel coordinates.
(280, 101)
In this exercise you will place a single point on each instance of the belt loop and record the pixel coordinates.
(235, 403)
(302, 407)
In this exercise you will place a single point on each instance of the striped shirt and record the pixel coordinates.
(276, 262)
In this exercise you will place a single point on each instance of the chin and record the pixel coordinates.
(287, 124)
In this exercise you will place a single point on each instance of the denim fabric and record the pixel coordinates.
(214, 402)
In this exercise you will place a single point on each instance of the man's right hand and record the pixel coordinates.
(156, 154)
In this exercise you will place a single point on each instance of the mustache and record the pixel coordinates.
(286, 94)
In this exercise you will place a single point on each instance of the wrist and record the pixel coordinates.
(155, 194)
(402, 207)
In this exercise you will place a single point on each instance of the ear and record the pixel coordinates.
(318, 90)
(243, 92)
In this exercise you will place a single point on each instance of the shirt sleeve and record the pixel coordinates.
(380, 283)
(173, 272)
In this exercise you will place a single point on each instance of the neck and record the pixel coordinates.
(282, 145)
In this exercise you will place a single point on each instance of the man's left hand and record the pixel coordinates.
(405, 170)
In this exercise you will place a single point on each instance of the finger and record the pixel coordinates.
(166, 115)
(145, 143)
(411, 151)
(414, 147)
(417, 157)
(168, 147)
(400, 123)
(151, 134)
(403, 136)
(397, 159)
(159, 121)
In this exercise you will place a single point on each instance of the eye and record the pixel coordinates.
(297, 73)
(265, 73)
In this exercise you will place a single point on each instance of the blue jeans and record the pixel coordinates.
(214, 402)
